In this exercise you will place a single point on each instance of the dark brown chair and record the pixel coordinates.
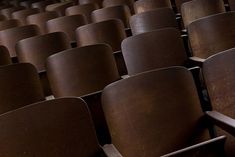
(61, 127)
(84, 72)
(155, 113)
(66, 24)
(110, 3)
(212, 34)
(5, 58)
(178, 4)
(36, 50)
(84, 9)
(22, 14)
(9, 37)
(121, 12)
(152, 50)
(41, 19)
(196, 9)
(98, 2)
(8, 11)
(6, 24)
(27, 3)
(219, 75)
(42, 4)
(110, 32)
(59, 7)
(20, 86)
(152, 20)
(148, 5)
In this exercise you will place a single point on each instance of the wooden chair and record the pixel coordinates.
(6, 24)
(152, 20)
(219, 74)
(66, 24)
(59, 7)
(144, 112)
(110, 32)
(84, 9)
(27, 3)
(61, 127)
(178, 4)
(20, 86)
(148, 5)
(84, 72)
(208, 36)
(41, 19)
(5, 58)
(22, 14)
(36, 50)
(157, 49)
(7, 12)
(41, 5)
(121, 12)
(9, 37)
(98, 2)
(197, 9)
(110, 3)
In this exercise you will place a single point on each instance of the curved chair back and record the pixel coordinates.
(110, 3)
(219, 74)
(157, 49)
(6, 24)
(147, 5)
(41, 5)
(81, 71)
(144, 112)
(61, 127)
(10, 37)
(99, 2)
(110, 32)
(20, 86)
(22, 14)
(41, 19)
(212, 34)
(66, 24)
(121, 12)
(152, 20)
(59, 7)
(36, 50)
(84, 9)
(7, 12)
(196, 9)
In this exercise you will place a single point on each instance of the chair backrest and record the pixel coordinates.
(4, 56)
(59, 7)
(196, 9)
(36, 50)
(6, 24)
(219, 74)
(212, 34)
(22, 14)
(178, 4)
(9, 37)
(20, 86)
(84, 9)
(41, 5)
(61, 127)
(110, 3)
(66, 24)
(147, 5)
(27, 3)
(121, 12)
(98, 2)
(8, 11)
(41, 19)
(152, 20)
(81, 71)
(153, 113)
(152, 50)
(110, 32)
